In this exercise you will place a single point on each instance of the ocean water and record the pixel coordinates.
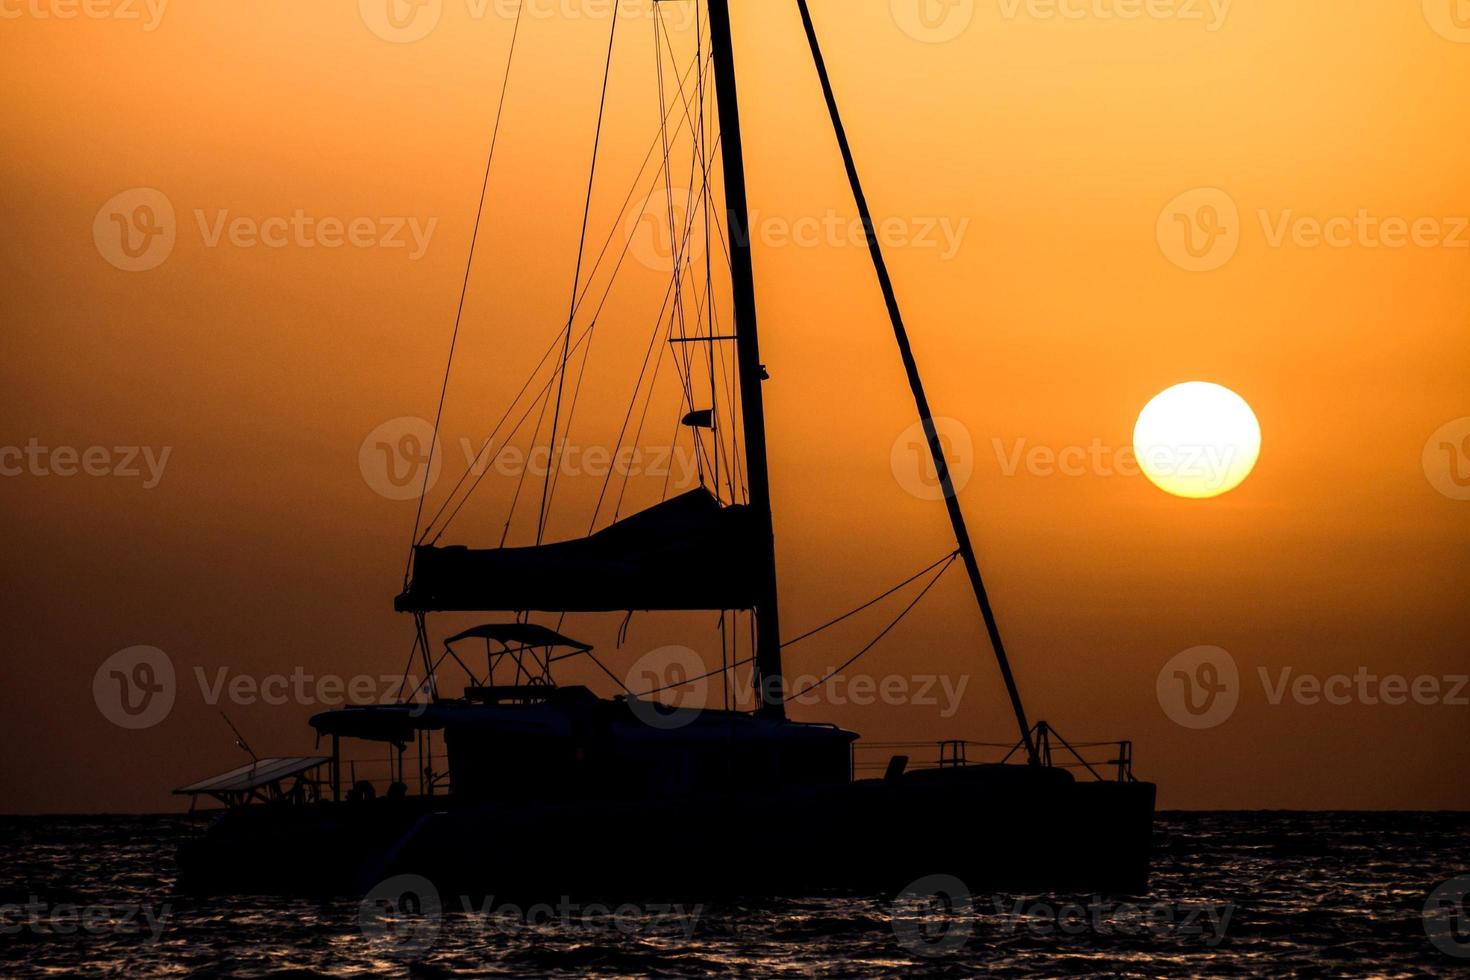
(1234, 894)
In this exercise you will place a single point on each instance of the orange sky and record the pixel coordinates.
(1049, 145)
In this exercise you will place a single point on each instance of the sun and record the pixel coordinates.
(1197, 440)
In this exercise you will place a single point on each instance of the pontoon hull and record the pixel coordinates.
(995, 828)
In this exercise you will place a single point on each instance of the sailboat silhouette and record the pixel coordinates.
(550, 788)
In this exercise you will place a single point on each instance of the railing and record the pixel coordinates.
(873, 759)
(420, 773)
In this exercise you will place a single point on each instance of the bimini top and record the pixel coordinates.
(518, 635)
(254, 775)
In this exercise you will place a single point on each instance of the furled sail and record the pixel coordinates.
(690, 552)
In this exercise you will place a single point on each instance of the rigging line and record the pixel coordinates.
(490, 461)
(717, 431)
(489, 441)
(658, 327)
(673, 59)
(633, 189)
(545, 389)
(616, 679)
(602, 303)
(464, 288)
(642, 418)
(674, 448)
(917, 575)
(886, 630)
(526, 467)
(653, 145)
(667, 171)
(412, 650)
(627, 416)
(916, 388)
(577, 275)
(691, 680)
(572, 412)
(682, 251)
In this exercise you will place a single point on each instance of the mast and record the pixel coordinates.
(916, 385)
(748, 362)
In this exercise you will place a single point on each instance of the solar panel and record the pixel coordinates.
(254, 775)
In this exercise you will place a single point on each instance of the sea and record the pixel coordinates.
(1232, 895)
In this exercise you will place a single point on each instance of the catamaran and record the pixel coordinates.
(521, 784)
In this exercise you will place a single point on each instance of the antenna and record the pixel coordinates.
(240, 739)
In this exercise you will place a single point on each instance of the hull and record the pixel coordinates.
(996, 828)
